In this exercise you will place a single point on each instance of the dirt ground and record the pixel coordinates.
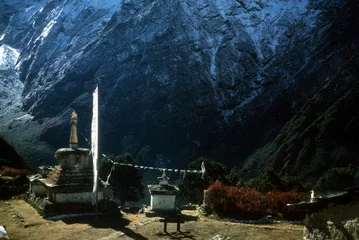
(23, 222)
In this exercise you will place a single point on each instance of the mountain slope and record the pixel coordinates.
(182, 78)
(322, 136)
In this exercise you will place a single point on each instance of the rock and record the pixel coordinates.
(221, 237)
(352, 226)
(336, 221)
(3, 233)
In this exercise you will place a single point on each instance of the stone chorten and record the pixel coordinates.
(68, 184)
(163, 195)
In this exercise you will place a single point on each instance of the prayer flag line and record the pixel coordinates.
(160, 169)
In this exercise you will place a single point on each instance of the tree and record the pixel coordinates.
(125, 180)
(267, 181)
(337, 179)
(192, 186)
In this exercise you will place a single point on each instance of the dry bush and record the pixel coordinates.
(13, 172)
(240, 202)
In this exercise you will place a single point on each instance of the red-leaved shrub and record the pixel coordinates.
(13, 172)
(240, 202)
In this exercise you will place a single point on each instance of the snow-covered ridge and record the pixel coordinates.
(10, 85)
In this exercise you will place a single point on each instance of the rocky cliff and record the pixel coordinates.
(177, 79)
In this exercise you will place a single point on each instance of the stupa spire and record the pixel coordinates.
(73, 134)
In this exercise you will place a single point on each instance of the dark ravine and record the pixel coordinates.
(178, 79)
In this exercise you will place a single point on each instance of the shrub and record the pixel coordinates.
(292, 182)
(12, 172)
(277, 202)
(269, 181)
(265, 182)
(240, 202)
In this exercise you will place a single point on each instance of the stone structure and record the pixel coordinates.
(163, 195)
(70, 183)
(331, 217)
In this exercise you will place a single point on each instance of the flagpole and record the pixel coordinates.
(94, 148)
(96, 199)
(97, 152)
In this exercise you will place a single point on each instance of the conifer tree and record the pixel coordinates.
(193, 185)
(125, 180)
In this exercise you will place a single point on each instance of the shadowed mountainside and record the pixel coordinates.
(9, 157)
(322, 136)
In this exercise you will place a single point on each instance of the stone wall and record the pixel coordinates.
(79, 197)
(335, 222)
(47, 208)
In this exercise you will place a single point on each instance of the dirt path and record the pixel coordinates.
(207, 229)
(23, 222)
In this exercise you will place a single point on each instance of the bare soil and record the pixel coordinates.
(23, 222)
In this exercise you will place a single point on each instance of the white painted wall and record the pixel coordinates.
(163, 202)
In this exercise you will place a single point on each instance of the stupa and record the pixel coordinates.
(163, 196)
(68, 187)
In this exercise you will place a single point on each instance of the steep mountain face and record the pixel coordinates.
(177, 79)
(322, 136)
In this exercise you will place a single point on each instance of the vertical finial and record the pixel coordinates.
(312, 194)
(313, 198)
(73, 134)
(163, 179)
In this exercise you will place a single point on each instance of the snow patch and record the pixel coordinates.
(54, 15)
(10, 87)
(48, 28)
(8, 57)
(258, 18)
(24, 117)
